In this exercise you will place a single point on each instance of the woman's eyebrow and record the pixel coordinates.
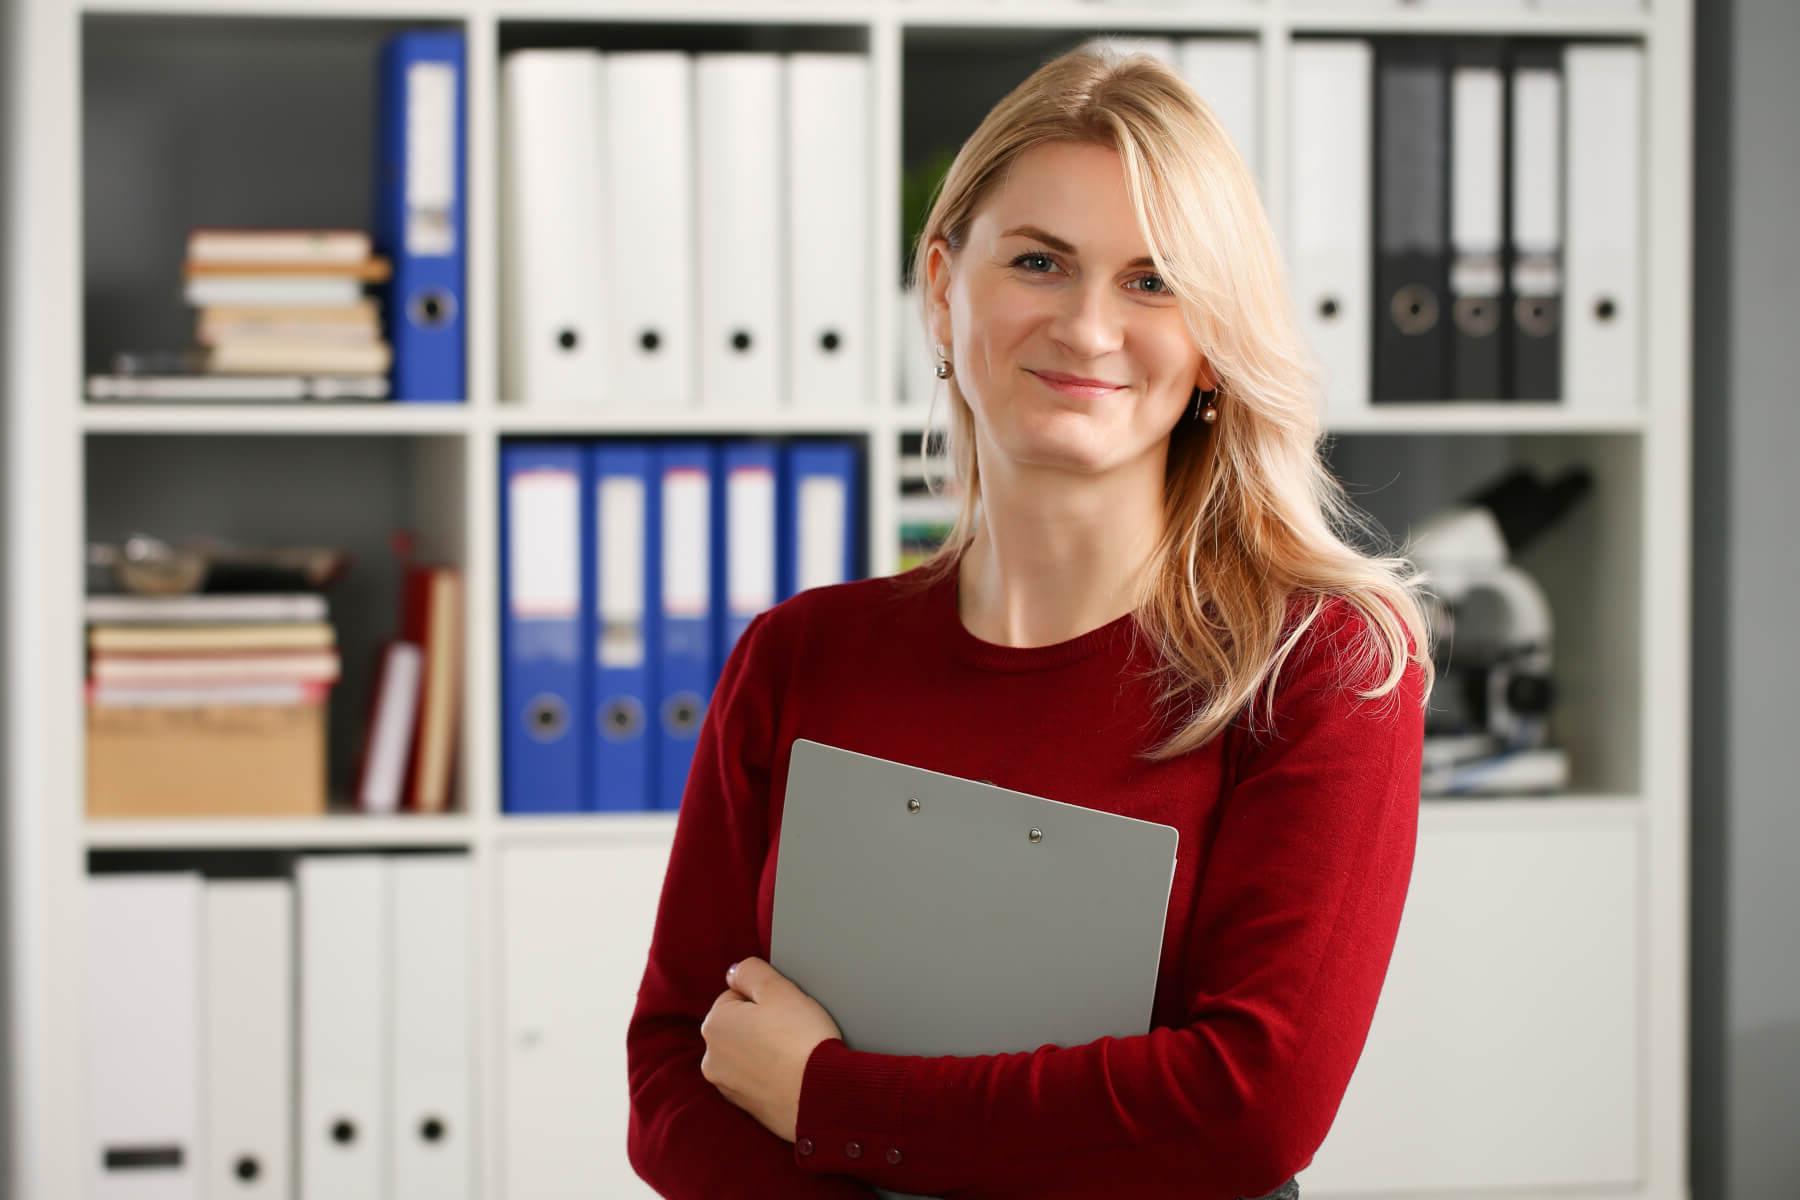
(1056, 243)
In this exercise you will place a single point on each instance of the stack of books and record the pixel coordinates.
(208, 704)
(282, 315)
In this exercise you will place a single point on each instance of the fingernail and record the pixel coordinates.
(731, 972)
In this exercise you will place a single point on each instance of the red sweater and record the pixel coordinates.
(1296, 853)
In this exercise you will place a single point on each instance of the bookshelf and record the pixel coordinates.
(121, 76)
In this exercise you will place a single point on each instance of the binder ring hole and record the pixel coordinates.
(1328, 308)
(1477, 316)
(546, 718)
(622, 718)
(431, 1129)
(682, 713)
(740, 340)
(343, 1131)
(568, 339)
(829, 341)
(432, 308)
(1536, 316)
(1037, 835)
(247, 1168)
(650, 340)
(912, 804)
(1414, 310)
(1605, 309)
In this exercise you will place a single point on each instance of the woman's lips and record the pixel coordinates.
(1075, 385)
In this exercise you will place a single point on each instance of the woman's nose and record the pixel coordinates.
(1088, 321)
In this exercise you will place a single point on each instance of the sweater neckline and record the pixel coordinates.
(997, 657)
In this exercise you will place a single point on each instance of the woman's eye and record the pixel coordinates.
(1031, 257)
(1161, 288)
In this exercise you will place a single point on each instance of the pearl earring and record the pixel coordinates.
(1204, 408)
(943, 364)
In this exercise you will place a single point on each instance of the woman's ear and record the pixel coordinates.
(937, 293)
(1208, 379)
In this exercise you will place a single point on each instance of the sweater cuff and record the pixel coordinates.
(850, 1117)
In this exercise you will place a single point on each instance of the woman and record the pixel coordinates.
(1145, 607)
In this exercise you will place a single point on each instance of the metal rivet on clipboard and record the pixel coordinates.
(912, 806)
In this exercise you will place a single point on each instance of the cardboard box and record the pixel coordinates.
(210, 761)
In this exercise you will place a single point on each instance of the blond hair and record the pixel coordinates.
(1251, 552)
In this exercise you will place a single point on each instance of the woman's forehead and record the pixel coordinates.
(1079, 199)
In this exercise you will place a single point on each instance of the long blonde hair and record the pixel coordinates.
(1251, 552)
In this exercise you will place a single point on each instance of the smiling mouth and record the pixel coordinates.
(1074, 385)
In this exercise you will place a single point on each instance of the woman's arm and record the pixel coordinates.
(1299, 904)
(685, 1138)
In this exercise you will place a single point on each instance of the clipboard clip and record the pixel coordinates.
(912, 806)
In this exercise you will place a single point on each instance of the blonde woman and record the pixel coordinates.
(1145, 607)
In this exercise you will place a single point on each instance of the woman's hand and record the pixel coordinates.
(759, 1034)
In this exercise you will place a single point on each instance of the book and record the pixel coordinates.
(231, 389)
(152, 639)
(432, 618)
(276, 693)
(306, 665)
(369, 270)
(208, 245)
(271, 357)
(388, 736)
(284, 289)
(118, 608)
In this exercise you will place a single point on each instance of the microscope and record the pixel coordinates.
(1487, 728)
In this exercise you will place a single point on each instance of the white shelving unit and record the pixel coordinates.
(1532, 1040)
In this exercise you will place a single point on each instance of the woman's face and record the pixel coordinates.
(1055, 284)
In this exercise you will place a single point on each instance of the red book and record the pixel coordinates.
(431, 617)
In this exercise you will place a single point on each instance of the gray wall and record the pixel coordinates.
(1746, 934)
(9, 111)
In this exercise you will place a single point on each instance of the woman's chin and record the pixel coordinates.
(1061, 445)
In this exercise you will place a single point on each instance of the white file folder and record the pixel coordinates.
(1156, 47)
(143, 1030)
(1329, 219)
(1535, 258)
(249, 1037)
(430, 1032)
(919, 384)
(1223, 71)
(554, 276)
(649, 173)
(742, 234)
(1601, 312)
(1477, 230)
(828, 231)
(343, 1027)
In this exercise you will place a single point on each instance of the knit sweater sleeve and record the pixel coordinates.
(1297, 913)
(685, 1138)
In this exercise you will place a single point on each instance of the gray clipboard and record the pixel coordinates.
(944, 927)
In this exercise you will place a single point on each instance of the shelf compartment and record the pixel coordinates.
(347, 493)
(220, 117)
(1590, 567)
